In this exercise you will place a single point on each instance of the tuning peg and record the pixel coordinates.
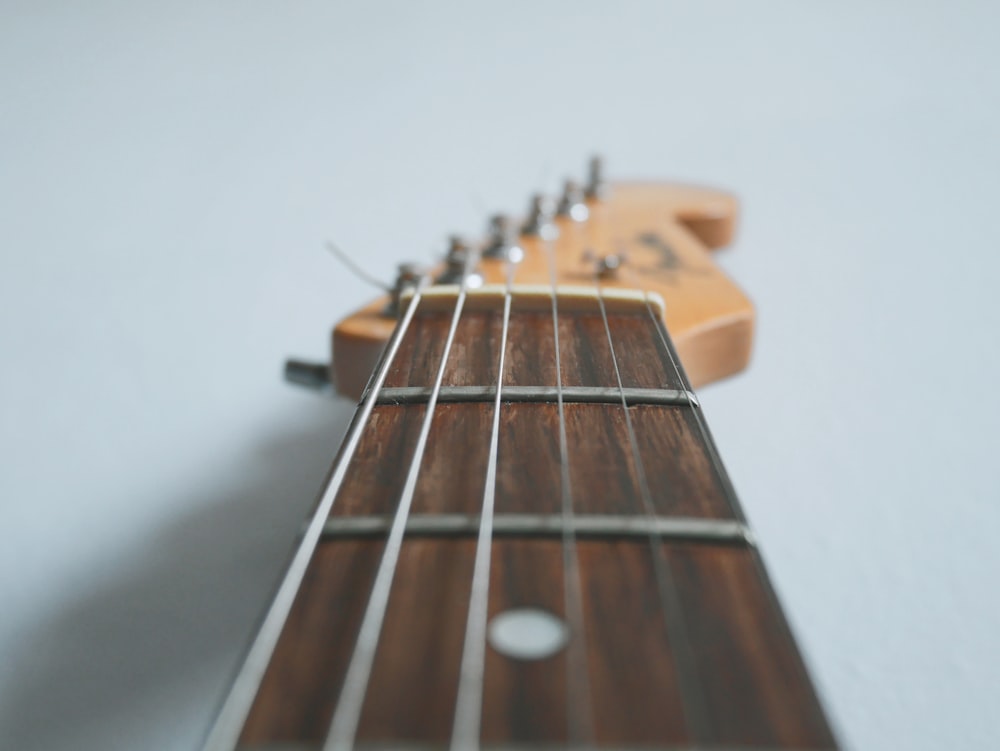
(597, 187)
(408, 276)
(572, 202)
(311, 375)
(459, 265)
(458, 250)
(502, 243)
(455, 261)
(539, 220)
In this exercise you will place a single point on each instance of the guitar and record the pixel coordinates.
(528, 539)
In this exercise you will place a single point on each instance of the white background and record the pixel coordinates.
(169, 172)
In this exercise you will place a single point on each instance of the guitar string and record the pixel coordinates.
(347, 714)
(225, 731)
(721, 475)
(696, 711)
(227, 727)
(468, 707)
(685, 386)
(578, 698)
(691, 692)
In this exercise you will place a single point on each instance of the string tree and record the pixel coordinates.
(604, 266)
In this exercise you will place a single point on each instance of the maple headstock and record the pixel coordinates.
(649, 236)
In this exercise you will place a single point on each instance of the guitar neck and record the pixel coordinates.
(528, 540)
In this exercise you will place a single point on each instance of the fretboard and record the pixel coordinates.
(609, 521)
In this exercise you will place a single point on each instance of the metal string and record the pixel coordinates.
(229, 722)
(355, 269)
(695, 708)
(692, 694)
(344, 726)
(692, 699)
(469, 704)
(685, 387)
(579, 724)
(713, 456)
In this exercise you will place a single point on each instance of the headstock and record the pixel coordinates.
(649, 236)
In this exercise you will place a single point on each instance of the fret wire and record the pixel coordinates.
(575, 394)
(469, 703)
(692, 529)
(225, 731)
(347, 714)
(580, 730)
(691, 692)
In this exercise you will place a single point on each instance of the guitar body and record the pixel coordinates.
(528, 539)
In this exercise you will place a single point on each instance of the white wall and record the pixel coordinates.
(168, 174)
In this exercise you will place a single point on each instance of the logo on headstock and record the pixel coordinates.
(665, 261)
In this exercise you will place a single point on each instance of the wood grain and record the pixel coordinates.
(414, 680)
(683, 643)
(453, 468)
(296, 699)
(419, 356)
(750, 678)
(584, 353)
(643, 362)
(531, 350)
(603, 467)
(753, 680)
(528, 476)
(586, 357)
(377, 471)
(678, 464)
(524, 701)
(636, 698)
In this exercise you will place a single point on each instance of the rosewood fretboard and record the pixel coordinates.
(676, 638)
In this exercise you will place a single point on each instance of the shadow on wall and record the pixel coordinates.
(142, 661)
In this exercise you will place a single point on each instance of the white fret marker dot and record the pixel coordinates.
(527, 634)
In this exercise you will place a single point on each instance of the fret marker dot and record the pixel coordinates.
(527, 634)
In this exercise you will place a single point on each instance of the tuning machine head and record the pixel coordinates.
(573, 203)
(502, 242)
(460, 264)
(539, 223)
(408, 276)
(597, 186)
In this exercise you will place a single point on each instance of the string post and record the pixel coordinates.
(539, 222)
(597, 186)
(408, 278)
(573, 202)
(502, 243)
(605, 267)
(460, 262)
